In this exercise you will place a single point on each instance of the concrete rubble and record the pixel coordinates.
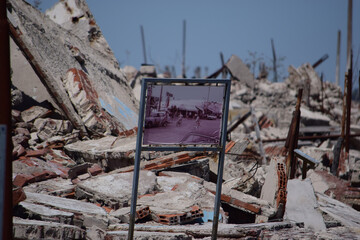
(74, 120)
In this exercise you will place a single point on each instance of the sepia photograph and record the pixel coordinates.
(183, 114)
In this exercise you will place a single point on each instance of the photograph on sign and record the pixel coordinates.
(183, 114)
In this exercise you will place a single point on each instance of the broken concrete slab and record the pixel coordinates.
(339, 211)
(22, 74)
(303, 74)
(43, 213)
(87, 214)
(85, 99)
(55, 187)
(242, 201)
(310, 118)
(70, 205)
(34, 112)
(47, 128)
(114, 190)
(204, 231)
(33, 229)
(301, 205)
(240, 71)
(110, 152)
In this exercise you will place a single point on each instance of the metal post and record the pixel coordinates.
(143, 43)
(337, 74)
(349, 35)
(220, 165)
(274, 60)
(222, 65)
(348, 110)
(183, 52)
(137, 163)
(5, 129)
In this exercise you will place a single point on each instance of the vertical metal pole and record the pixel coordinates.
(137, 162)
(349, 35)
(223, 65)
(337, 74)
(322, 91)
(221, 165)
(143, 43)
(348, 110)
(5, 129)
(274, 60)
(183, 53)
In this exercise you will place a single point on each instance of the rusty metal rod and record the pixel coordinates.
(348, 106)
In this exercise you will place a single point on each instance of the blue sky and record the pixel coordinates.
(303, 31)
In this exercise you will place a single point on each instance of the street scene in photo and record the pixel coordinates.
(183, 114)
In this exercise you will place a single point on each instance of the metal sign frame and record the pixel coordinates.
(208, 147)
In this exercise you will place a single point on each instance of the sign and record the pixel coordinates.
(183, 114)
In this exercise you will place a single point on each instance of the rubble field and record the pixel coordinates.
(291, 171)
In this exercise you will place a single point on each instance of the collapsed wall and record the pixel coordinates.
(75, 66)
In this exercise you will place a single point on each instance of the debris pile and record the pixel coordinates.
(74, 130)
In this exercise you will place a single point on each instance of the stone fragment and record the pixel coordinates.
(94, 170)
(20, 140)
(35, 112)
(18, 195)
(18, 151)
(48, 127)
(78, 170)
